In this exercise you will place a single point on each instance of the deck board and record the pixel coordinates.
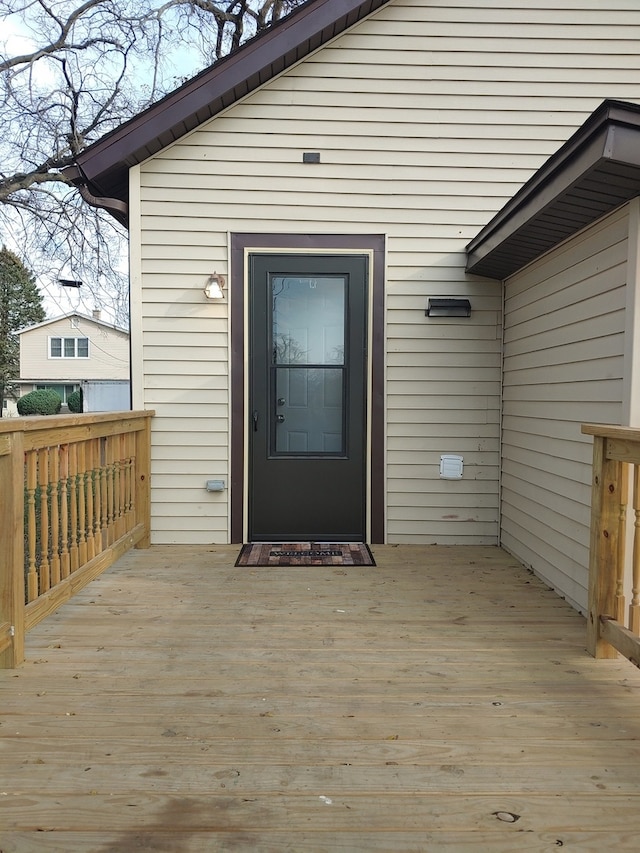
(180, 703)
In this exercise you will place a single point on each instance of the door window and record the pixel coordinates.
(308, 321)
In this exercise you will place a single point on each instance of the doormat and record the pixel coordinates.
(305, 554)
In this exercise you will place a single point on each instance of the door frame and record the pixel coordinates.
(241, 246)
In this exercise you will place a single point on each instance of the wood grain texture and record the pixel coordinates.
(441, 700)
(12, 582)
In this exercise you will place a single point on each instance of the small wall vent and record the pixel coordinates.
(451, 467)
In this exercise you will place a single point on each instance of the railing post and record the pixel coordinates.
(605, 516)
(12, 601)
(143, 481)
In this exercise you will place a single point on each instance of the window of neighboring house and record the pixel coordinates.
(62, 390)
(68, 347)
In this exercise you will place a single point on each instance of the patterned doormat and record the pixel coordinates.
(305, 554)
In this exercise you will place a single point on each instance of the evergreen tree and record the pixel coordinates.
(20, 306)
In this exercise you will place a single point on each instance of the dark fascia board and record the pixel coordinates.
(562, 191)
(105, 164)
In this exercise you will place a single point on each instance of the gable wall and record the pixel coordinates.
(108, 352)
(564, 350)
(428, 117)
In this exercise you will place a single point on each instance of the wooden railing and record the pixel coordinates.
(74, 496)
(612, 626)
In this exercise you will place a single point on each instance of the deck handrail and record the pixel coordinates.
(611, 626)
(74, 496)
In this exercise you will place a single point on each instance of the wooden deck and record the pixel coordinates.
(442, 700)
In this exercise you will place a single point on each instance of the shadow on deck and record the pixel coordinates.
(442, 700)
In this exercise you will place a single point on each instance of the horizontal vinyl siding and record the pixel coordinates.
(427, 118)
(563, 358)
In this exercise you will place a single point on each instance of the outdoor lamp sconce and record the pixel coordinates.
(214, 288)
(448, 308)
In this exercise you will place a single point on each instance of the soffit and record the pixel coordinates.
(597, 170)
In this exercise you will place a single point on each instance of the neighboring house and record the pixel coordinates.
(333, 171)
(67, 351)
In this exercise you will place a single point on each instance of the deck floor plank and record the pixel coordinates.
(441, 700)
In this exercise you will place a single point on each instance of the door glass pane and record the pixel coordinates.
(309, 410)
(308, 355)
(308, 319)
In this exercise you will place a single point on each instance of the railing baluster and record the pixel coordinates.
(54, 477)
(82, 508)
(73, 505)
(111, 492)
(634, 606)
(118, 493)
(43, 489)
(126, 493)
(91, 486)
(31, 485)
(97, 496)
(65, 559)
(104, 511)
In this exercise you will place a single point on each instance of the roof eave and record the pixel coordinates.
(69, 315)
(610, 136)
(105, 163)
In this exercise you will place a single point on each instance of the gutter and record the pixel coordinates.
(118, 208)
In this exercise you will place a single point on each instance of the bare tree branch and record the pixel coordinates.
(69, 73)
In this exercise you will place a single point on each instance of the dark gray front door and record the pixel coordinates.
(307, 361)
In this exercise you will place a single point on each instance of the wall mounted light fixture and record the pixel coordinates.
(214, 288)
(448, 308)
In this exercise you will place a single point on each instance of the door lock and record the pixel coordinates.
(281, 401)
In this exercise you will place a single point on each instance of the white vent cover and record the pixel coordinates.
(451, 467)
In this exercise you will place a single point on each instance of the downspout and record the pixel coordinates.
(115, 206)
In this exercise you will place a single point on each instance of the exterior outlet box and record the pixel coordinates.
(451, 467)
(215, 485)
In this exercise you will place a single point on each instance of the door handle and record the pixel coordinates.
(254, 417)
(280, 419)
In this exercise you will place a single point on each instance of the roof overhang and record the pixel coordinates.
(71, 315)
(104, 166)
(597, 170)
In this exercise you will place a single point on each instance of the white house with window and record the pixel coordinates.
(67, 351)
(68, 347)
